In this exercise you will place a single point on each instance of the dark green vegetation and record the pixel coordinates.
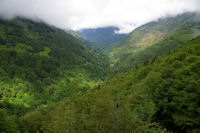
(154, 39)
(39, 64)
(91, 44)
(102, 37)
(158, 94)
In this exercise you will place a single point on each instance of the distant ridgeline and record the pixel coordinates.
(102, 37)
(90, 43)
(40, 64)
(153, 39)
(50, 82)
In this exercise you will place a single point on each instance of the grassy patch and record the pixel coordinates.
(19, 47)
(45, 52)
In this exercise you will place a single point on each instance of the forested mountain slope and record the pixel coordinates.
(49, 80)
(90, 43)
(159, 96)
(154, 39)
(102, 37)
(40, 64)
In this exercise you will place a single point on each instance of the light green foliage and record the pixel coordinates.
(19, 48)
(16, 92)
(61, 90)
(153, 39)
(37, 62)
(157, 96)
(45, 52)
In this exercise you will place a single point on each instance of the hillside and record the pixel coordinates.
(91, 44)
(156, 97)
(52, 82)
(40, 64)
(103, 37)
(154, 39)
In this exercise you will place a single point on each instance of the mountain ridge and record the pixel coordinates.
(52, 82)
(103, 36)
(154, 38)
(157, 96)
(45, 59)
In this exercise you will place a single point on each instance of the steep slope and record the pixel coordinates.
(103, 37)
(41, 64)
(91, 44)
(156, 97)
(153, 39)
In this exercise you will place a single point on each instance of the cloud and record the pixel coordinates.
(79, 14)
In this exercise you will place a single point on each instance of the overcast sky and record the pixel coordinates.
(79, 14)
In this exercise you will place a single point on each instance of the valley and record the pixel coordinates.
(102, 37)
(60, 81)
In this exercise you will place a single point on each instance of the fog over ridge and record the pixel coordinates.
(79, 14)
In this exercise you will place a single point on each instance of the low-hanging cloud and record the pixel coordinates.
(79, 14)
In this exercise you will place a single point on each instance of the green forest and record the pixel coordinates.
(52, 81)
(153, 39)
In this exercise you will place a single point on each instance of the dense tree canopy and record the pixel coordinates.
(153, 39)
(51, 82)
(39, 63)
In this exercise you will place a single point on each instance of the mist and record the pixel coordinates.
(80, 14)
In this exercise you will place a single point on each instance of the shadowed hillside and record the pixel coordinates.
(102, 37)
(40, 64)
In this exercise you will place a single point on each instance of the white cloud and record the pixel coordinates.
(78, 14)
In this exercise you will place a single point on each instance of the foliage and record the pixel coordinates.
(51, 82)
(158, 96)
(90, 43)
(102, 37)
(39, 62)
(153, 39)
(7, 123)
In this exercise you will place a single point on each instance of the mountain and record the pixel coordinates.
(40, 64)
(154, 39)
(52, 82)
(155, 97)
(91, 44)
(103, 37)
